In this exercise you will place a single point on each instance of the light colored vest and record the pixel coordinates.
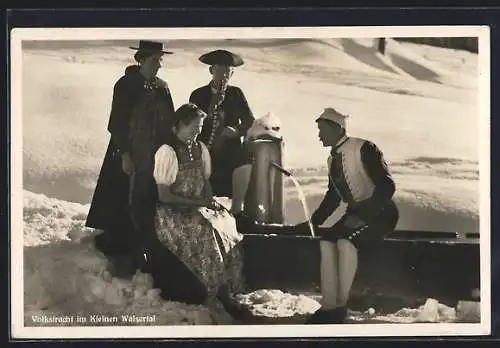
(356, 178)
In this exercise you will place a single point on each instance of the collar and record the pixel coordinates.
(214, 90)
(178, 141)
(339, 144)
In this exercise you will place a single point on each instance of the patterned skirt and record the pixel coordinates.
(206, 241)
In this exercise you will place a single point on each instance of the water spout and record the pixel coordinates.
(301, 195)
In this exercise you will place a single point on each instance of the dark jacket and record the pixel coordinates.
(369, 210)
(237, 114)
(140, 116)
(138, 124)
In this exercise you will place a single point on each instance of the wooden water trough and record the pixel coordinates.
(403, 271)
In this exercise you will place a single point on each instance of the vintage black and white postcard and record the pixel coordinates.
(250, 182)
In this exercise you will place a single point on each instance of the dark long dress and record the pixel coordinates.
(237, 114)
(139, 121)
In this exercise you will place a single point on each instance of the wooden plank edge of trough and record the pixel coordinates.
(405, 269)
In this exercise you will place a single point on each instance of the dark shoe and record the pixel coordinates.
(124, 266)
(235, 310)
(339, 315)
(145, 259)
(110, 245)
(334, 316)
(244, 224)
(103, 244)
(319, 317)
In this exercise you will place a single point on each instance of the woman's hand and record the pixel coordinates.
(214, 205)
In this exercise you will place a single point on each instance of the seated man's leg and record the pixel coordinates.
(329, 274)
(348, 265)
(240, 182)
(339, 261)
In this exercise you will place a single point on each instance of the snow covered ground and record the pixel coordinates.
(418, 103)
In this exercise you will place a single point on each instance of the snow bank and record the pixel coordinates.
(430, 312)
(272, 305)
(276, 303)
(65, 275)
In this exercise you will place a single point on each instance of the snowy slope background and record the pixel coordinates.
(418, 103)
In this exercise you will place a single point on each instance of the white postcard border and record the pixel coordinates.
(18, 329)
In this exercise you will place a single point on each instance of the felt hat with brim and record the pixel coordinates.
(151, 47)
(332, 115)
(221, 57)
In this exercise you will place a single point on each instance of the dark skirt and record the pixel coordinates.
(127, 224)
(175, 280)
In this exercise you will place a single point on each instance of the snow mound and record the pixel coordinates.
(70, 278)
(430, 312)
(276, 303)
(65, 275)
(47, 220)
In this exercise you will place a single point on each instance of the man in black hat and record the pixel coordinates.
(125, 194)
(229, 118)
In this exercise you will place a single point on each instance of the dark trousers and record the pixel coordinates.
(221, 181)
(369, 235)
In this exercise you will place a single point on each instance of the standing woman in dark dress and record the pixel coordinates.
(229, 118)
(125, 195)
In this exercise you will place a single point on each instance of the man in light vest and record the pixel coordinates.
(358, 176)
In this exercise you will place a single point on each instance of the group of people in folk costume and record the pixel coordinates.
(163, 167)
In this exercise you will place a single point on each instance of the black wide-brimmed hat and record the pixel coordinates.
(151, 46)
(221, 57)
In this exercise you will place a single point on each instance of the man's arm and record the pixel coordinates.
(244, 113)
(168, 99)
(376, 167)
(119, 118)
(165, 134)
(330, 202)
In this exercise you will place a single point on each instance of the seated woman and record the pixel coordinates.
(190, 227)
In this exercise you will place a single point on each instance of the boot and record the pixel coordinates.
(123, 266)
(244, 224)
(332, 316)
(235, 311)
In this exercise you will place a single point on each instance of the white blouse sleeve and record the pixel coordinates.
(166, 165)
(207, 161)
